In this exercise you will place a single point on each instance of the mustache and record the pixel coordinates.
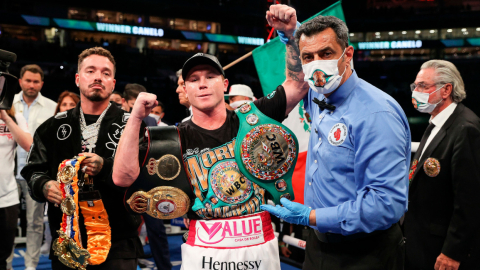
(96, 84)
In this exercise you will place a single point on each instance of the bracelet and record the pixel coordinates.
(283, 38)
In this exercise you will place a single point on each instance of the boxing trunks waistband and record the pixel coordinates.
(231, 233)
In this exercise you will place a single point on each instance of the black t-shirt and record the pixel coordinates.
(202, 149)
(90, 118)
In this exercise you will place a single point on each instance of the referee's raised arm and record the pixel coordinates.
(284, 19)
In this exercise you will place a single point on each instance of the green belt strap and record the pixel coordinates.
(266, 152)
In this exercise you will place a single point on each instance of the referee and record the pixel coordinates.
(358, 156)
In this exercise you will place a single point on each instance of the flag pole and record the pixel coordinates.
(238, 60)
(250, 53)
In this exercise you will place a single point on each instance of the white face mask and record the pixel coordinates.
(237, 103)
(420, 101)
(322, 75)
(157, 117)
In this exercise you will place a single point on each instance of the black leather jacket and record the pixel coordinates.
(59, 138)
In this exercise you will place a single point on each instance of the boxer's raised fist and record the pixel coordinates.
(143, 105)
(282, 18)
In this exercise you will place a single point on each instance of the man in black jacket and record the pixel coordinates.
(442, 224)
(63, 137)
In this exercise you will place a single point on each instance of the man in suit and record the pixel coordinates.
(442, 225)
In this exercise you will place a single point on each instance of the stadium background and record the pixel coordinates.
(448, 30)
(392, 38)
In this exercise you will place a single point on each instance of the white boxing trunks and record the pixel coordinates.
(237, 243)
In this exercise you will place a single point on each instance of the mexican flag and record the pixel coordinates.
(270, 63)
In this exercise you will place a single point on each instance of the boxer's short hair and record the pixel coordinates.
(97, 51)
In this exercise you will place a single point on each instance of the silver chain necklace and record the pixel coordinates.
(90, 132)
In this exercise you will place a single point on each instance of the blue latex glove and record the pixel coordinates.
(292, 212)
(283, 38)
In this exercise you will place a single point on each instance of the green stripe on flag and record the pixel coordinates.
(270, 58)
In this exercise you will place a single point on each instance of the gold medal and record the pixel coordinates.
(431, 167)
(66, 174)
(160, 202)
(68, 206)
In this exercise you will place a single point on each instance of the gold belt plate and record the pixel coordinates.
(68, 206)
(66, 174)
(160, 202)
(70, 253)
(167, 167)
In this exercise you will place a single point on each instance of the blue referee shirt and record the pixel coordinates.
(358, 159)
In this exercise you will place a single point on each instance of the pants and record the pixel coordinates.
(158, 242)
(8, 226)
(112, 264)
(35, 214)
(380, 251)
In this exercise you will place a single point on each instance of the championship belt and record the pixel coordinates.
(228, 186)
(266, 152)
(163, 189)
(68, 247)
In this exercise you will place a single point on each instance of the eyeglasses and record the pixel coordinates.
(421, 86)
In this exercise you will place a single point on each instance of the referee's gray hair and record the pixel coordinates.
(320, 23)
(446, 72)
(179, 73)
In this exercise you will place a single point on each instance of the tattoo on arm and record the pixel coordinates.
(293, 76)
(46, 187)
(294, 64)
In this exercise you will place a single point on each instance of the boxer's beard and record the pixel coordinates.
(95, 95)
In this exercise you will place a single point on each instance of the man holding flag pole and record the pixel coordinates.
(358, 155)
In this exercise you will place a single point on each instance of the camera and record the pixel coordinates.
(8, 82)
